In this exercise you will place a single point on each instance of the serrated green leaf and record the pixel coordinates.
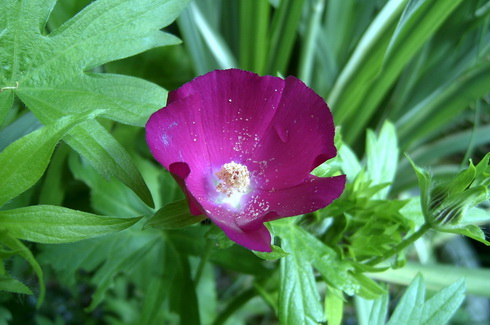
(439, 309)
(53, 224)
(277, 252)
(9, 284)
(24, 161)
(313, 251)
(173, 216)
(350, 163)
(409, 308)
(299, 300)
(382, 157)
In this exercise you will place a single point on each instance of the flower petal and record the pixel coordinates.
(235, 110)
(313, 194)
(300, 137)
(246, 225)
(174, 135)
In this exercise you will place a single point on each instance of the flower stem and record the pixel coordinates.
(401, 246)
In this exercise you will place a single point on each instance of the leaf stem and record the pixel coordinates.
(401, 246)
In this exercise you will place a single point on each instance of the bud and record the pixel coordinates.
(444, 204)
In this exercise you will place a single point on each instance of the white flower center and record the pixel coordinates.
(233, 182)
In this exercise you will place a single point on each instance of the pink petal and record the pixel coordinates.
(245, 224)
(235, 110)
(300, 137)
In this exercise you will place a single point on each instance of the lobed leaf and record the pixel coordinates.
(49, 73)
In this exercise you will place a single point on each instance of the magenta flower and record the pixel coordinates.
(242, 148)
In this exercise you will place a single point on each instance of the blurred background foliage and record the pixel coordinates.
(423, 65)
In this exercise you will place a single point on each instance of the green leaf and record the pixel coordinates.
(441, 307)
(51, 70)
(173, 216)
(110, 198)
(277, 252)
(368, 288)
(54, 185)
(108, 256)
(218, 235)
(299, 300)
(9, 284)
(379, 311)
(183, 299)
(382, 157)
(444, 104)
(6, 102)
(283, 33)
(81, 44)
(438, 310)
(300, 242)
(470, 231)
(53, 224)
(298, 295)
(24, 161)
(107, 156)
(334, 306)
(5, 315)
(20, 249)
(364, 64)
(253, 38)
(23, 125)
(218, 47)
(408, 14)
(425, 184)
(409, 308)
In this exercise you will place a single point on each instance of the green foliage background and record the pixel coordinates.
(92, 230)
